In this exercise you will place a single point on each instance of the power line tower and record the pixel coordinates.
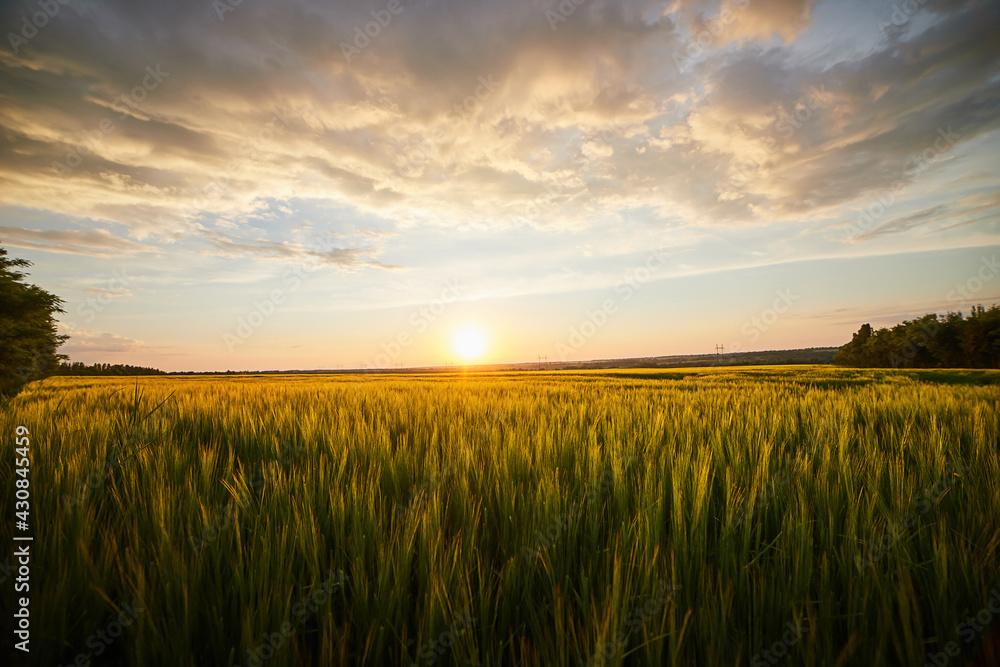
(719, 350)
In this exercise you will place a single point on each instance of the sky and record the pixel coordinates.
(254, 185)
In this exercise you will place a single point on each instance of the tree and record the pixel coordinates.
(28, 338)
(932, 341)
(855, 353)
(946, 344)
(981, 337)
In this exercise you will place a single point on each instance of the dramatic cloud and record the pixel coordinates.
(151, 116)
(417, 134)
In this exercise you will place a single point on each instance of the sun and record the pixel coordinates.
(469, 343)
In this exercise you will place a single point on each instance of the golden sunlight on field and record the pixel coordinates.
(549, 518)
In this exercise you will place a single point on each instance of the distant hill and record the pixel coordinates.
(809, 355)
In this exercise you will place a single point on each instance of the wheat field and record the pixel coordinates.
(766, 515)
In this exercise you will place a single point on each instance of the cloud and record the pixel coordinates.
(942, 217)
(743, 20)
(762, 19)
(84, 341)
(111, 294)
(94, 243)
(320, 250)
(781, 140)
(470, 113)
(595, 149)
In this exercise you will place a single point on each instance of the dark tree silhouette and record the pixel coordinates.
(853, 353)
(28, 338)
(79, 368)
(932, 341)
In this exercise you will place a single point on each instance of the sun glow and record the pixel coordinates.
(469, 343)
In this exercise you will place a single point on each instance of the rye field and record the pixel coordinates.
(714, 516)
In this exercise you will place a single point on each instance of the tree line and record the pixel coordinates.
(80, 368)
(932, 341)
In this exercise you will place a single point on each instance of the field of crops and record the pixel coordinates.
(760, 516)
